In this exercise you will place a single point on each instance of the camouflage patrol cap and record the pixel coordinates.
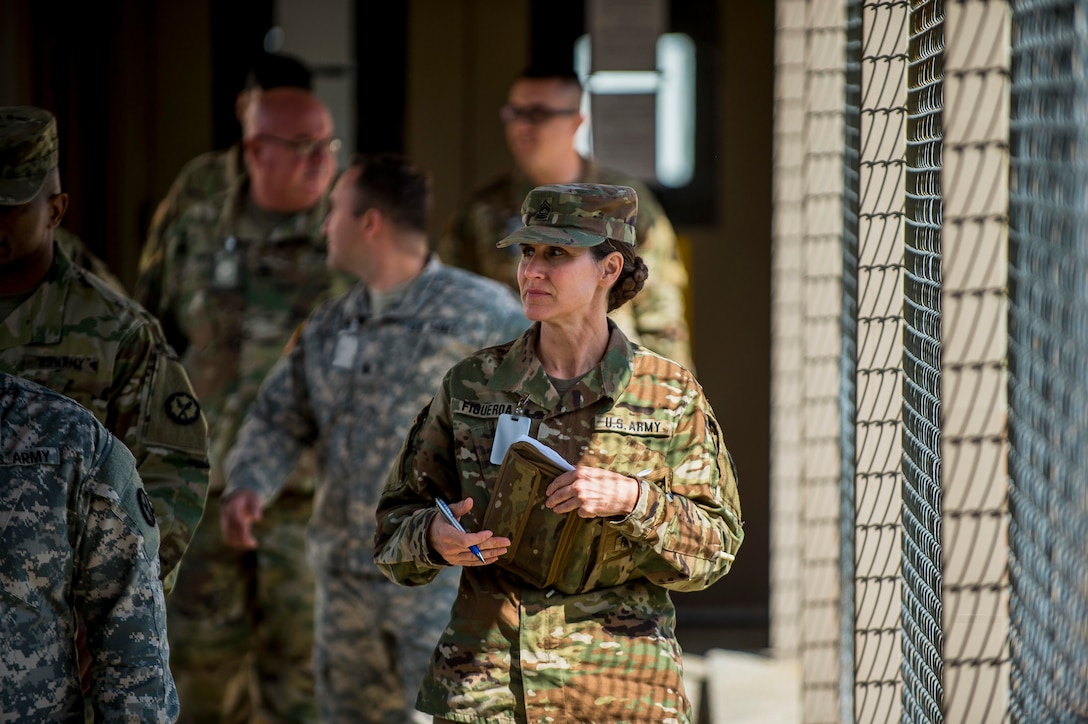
(28, 150)
(577, 215)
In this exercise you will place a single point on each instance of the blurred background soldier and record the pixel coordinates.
(541, 117)
(213, 172)
(68, 330)
(362, 367)
(78, 539)
(237, 275)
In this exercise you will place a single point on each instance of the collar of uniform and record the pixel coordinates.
(305, 223)
(46, 305)
(521, 373)
(357, 304)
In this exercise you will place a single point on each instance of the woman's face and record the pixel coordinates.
(559, 282)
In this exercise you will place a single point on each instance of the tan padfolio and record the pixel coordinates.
(540, 539)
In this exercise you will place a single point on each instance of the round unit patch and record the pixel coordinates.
(145, 506)
(182, 408)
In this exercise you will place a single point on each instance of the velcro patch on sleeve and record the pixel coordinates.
(173, 417)
(474, 408)
(36, 456)
(629, 424)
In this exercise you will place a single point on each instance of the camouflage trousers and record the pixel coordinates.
(241, 622)
(373, 643)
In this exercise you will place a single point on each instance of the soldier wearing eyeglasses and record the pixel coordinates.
(236, 275)
(541, 117)
(213, 172)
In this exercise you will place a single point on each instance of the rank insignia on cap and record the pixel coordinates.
(182, 408)
(145, 506)
(544, 210)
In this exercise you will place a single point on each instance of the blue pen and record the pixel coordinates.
(457, 524)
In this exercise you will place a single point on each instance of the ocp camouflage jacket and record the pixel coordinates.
(607, 654)
(79, 337)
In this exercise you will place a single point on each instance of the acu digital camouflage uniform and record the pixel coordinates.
(655, 318)
(351, 386)
(77, 537)
(78, 336)
(230, 606)
(598, 644)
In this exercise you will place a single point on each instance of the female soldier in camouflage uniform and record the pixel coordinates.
(651, 503)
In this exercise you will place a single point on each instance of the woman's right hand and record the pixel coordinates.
(453, 545)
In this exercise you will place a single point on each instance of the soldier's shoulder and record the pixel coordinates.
(472, 287)
(14, 388)
(470, 372)
(27, 403)
(330, 313)
(97, 298)
(495, 189)
(202, 176)
(201, 215)
(649, 364)
(648, 203)
(614, 177)
(203, 162)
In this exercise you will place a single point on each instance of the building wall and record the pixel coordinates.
(137, 101)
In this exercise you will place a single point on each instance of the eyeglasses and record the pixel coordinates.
(305, 147)
(534, 115)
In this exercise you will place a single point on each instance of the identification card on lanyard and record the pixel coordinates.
(227, 267)
(508, 429)
(347, 347)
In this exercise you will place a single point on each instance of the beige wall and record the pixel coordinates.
(974, 405)
(462, 57)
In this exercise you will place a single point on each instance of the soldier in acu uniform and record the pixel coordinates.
(651, 502)
(68, 330)
(237, 275)
(541, 117)
(77, 539)
(362, 366)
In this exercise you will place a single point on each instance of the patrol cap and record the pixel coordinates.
(28, 150)
(577, 215)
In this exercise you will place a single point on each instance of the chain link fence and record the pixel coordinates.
(1048, 361)
(921, 559)
(961, 430)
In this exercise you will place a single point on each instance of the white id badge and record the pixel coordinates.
(347, 345)
(227, 270)
(509, 429)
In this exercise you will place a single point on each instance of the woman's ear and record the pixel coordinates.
(610, 267)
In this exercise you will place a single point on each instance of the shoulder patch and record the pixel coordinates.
(171, 413)
(182, 408)
(146, 508)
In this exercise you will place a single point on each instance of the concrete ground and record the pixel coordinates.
(739, 687)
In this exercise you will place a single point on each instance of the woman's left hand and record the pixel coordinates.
(593, 492)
